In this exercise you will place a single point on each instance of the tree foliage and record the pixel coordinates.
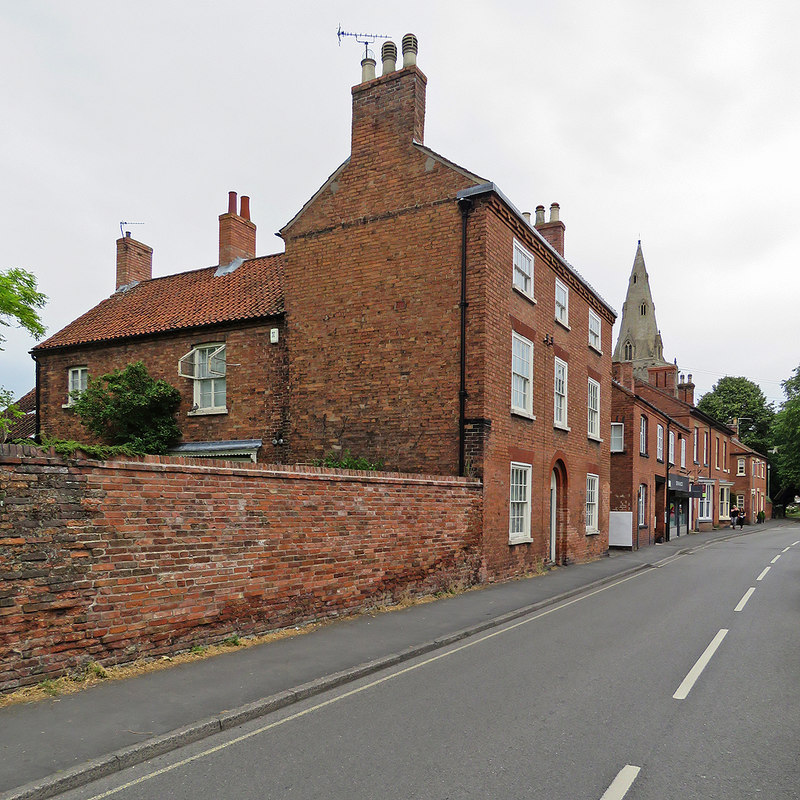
(19, 300)
(740, 398)
(786, 433)
(129, 407)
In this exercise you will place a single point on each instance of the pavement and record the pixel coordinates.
(57, 744)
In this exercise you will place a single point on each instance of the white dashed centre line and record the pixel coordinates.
(620, 785)
(745, 598)
(794, 543)
(775, 559)
(786, 548)
(761, 576)
(700, 665)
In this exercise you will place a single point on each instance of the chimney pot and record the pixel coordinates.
(367, 69)
(540, 215)
(527, 215)
(127, 234)
(237, 234)
(410, 49)
(389, 57)
(554, 208)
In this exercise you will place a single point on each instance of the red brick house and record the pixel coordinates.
(416, 317)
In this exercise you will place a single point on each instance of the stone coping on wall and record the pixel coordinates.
(17, 454)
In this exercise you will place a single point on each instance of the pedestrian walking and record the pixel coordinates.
(740, 519)
(734, 515)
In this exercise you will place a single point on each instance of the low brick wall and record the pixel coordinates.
(110, 561)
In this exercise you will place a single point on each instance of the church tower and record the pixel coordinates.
(639, 339)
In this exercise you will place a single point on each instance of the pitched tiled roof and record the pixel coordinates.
(25, 426)
(185, 300)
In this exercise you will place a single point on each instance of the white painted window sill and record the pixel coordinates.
(593, 438)
(564, 325)
(520, 541)
(518, 412)
(592, 347)
(592, 531)
(206, 412)
(560, 427)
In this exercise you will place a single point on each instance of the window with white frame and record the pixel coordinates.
(617, 437)
(716, 452)
(643, 435)
(740, 467)
(740, 502)
(683, 453)
(521, 375)
(642, 505)
(592, 484)
(77, 381)
(696, 433)
(724, 502)
(562, 303)
(593, 405)
(523, 269)
(560, 387)
(706, 502)
(725, 457)
(206, 365)
(671, 450)
(705, 448)
(595, 326)
(660, 442)
(519, 526)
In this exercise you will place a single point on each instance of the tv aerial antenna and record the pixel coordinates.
(362, 38)
(122, 222)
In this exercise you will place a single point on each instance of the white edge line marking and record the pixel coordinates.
(620, 785)
(699, 666)
(747, 595)
(761, 576)
(332, 700)
(775, 559)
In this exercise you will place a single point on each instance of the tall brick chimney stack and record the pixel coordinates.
(134, 261)
(389, 111)
(553, 231)
(686, 390)
(237, 234)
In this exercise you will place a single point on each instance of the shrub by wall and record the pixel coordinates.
(111, 561)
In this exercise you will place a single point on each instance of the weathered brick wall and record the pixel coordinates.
(256, 382)
(492, 230)
(116, 560)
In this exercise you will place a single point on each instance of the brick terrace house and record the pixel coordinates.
(649, 395)
(416, 317)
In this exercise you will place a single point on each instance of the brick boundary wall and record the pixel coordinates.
(112, 561)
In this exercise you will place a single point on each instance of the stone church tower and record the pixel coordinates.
(639, 339)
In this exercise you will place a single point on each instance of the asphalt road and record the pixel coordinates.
(652, 687)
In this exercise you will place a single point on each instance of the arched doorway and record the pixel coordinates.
(558, 489)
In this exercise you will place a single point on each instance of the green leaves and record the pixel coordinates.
(19, 299)
(128, 407)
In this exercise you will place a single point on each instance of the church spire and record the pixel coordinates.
(639, 339)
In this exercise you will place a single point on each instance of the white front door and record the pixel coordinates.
(553, 515)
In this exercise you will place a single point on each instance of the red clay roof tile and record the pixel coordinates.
(185, 300)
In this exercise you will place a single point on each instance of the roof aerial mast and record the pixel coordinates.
(362, 38)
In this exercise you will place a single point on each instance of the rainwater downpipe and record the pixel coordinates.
(38, 435)
(464, 206)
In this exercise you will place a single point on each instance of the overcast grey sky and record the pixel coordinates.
(676, 123)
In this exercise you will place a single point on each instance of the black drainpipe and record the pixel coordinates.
(38, 437)
(464, 206)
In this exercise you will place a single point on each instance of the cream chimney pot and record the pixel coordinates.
(389, 57)
(410, 48)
